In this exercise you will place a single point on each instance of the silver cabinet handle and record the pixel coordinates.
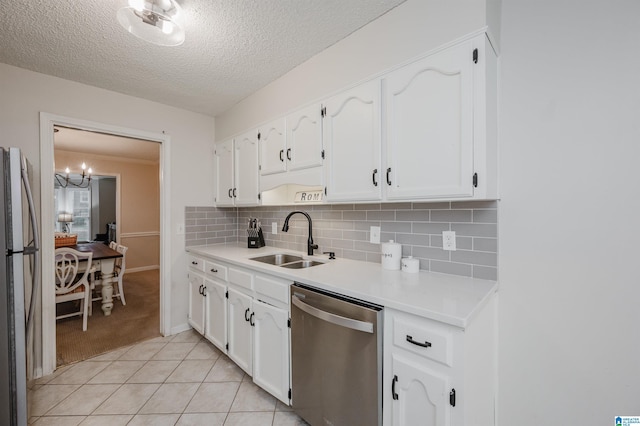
(353, 324)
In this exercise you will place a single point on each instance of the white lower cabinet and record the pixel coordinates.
(196, 316)
(215, 329)
(436, 374)
(239, 322)
(420, 396)
(246, 317)
(271, 349)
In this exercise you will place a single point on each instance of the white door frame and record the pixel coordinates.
(47, 122)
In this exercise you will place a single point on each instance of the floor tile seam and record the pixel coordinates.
(118, 383)
(46, 413)
(161, 383)
(103, 401)
(149, 399)
(191, 399)
(141, 343)
(85, 363)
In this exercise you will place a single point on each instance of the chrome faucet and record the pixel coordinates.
(310, 245)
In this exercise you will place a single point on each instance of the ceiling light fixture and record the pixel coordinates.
(65, 181)
(156, 21)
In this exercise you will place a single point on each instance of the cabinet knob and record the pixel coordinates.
(214, 270)
(193, 262)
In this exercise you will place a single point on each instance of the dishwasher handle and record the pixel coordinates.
(353, 324)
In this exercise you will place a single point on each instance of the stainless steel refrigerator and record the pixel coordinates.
(19, 288)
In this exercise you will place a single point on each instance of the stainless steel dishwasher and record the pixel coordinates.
(336, 358)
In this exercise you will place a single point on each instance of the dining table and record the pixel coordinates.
(104, 260)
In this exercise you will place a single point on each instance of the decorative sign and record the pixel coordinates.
(308, 197)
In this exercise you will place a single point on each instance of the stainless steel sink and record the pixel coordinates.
(277, 259)
(284, 260)
(302, 264)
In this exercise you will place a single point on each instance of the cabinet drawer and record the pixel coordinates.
(195, 263)
(215, 270)
(422, 337)
(272, 287)
(241, 278)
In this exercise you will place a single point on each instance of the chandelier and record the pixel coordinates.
(65, 180)
(156, 21)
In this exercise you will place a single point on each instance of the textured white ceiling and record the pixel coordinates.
(232, 47)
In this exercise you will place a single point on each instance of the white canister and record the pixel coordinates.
(411, 265)
(391, 255)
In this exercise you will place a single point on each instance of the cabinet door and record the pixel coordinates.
(246, 169)
(273, 147)
(271, 350)
(422, 395)
(304, 138)
(352, 144)
(196, 302)
(240, 330)
(224, 173)
(216, 314)
(430, 126)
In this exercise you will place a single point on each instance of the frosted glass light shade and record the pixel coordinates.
(156, 21)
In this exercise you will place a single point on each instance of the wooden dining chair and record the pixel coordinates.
(113, 245)
(119, 267)
(72, 283)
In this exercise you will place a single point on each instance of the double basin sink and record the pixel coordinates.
(285, 260)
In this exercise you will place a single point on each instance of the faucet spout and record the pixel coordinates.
(310, 245)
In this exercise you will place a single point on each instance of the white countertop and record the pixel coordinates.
(447, 298)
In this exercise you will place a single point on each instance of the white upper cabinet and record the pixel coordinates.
(224, 173)
(430, 127)
(236, 162)
(273, 147)
(304, 138)
(424, 131)
(246, 169)
(436, 125)
(352, 141)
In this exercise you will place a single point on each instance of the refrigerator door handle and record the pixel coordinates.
(35, 275)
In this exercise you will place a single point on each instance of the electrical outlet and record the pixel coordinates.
(449, 240)
(374, 235)
(274, 228)
(180, 229)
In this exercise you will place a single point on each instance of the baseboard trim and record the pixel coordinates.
(180, 328)
(141, 268)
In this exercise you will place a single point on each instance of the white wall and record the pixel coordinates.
(409, 30)
(568, 220)
(24, 94)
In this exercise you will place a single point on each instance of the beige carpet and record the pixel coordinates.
(138, 320)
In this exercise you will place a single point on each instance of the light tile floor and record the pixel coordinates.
(176, 380)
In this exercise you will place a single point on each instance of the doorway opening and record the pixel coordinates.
(94, 173)
(112, 153)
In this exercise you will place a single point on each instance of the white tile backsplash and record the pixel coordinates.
(344, 229)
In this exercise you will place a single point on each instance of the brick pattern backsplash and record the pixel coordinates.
(344, 229)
